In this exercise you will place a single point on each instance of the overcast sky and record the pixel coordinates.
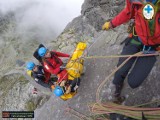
(50, 15)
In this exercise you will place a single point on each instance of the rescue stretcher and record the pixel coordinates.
(75, 67)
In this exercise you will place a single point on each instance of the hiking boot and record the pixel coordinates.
(118, 90)
(117, 94)
(119, 100)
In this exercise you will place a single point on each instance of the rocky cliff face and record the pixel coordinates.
(87, 27)
(15, 89)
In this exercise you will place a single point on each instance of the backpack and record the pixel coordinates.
(36, 55)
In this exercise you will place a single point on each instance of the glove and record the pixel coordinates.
(106, 26)
(52, 87)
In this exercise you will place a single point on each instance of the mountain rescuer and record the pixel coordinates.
(40, 76)
(53, 64)
(145, 36)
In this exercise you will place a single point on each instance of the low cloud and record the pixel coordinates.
(42, 18)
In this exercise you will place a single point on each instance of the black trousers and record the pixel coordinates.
(141, 68)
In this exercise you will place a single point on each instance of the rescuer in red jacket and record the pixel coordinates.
(53, 64)
(145, 37)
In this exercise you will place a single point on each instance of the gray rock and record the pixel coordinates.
(20, 63)
(86, 27)
(94, 14)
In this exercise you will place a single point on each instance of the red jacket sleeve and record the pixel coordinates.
(124, 16)
(51, 70)
(59, 54)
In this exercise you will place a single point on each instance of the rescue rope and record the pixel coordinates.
(120, 56)
(62, 78)
(100, 105)
(128, 111)
(139, 54)
(149, 103)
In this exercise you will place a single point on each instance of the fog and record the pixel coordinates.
(42, 19)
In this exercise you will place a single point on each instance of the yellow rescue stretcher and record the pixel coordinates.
(75, 66)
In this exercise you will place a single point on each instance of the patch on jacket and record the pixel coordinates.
(148, 11)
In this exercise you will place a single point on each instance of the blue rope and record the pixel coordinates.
(148, 50)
